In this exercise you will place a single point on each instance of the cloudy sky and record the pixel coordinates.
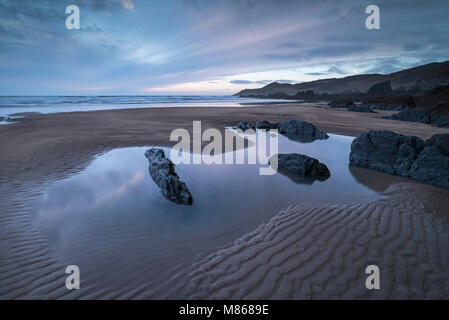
(208, 46)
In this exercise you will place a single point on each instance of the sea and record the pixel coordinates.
(18, 106)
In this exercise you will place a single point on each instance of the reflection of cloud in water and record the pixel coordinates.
(121, 190)
(78, 194)
(112, 211)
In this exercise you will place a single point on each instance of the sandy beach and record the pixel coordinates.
(56, 143)
(308, 250)
(235, 151)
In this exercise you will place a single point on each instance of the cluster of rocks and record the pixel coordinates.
(407, 156)
(341, 104)
(351, 106)
(387, 107)
(421, 116)
(162, 171)
(293, 129)
(361, 108)
(300, 168)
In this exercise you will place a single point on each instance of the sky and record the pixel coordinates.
(210, 47)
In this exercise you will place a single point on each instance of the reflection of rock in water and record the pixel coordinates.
(321, 251)
(406, 156)
(162, 171)
(374, 180)
(300, 168)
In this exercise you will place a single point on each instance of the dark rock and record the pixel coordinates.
(406, 156)
(302, 130)
(385, 151)
(412, 115)
(381, 89)
(294, 129)
(421, 116)
(432, 164)
(361, 108)
(266, 125)
(1, 119)
(245, 126)
(300, 168)
(387, 107)
(439, 120)
(162, 171)
(341, 104)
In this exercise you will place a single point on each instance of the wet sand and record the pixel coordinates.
(321, 246)
(55, 143)
(320, 251)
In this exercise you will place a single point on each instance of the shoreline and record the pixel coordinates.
(39, 149)
(51, 144)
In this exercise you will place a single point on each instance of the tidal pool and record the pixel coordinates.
(112, 221)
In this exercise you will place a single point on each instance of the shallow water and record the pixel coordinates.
(112, 220)
(17, 106)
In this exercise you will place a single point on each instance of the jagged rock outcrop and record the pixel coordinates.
(243, 125)
(432, 164)
(439, 120)
(294, 129)
(361, 108)
(266, 125)
(421, 116)
(412, 115)
(300, 168)
(406, 156)
(302, 130)
(341, 104)
(162, 171)
(387, 107)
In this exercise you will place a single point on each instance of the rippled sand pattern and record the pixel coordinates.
(307, 251)
(319, 251)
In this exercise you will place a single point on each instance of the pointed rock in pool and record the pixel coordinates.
(162, 171)
(300, 168)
